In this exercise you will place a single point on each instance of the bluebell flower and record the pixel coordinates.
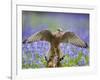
(85, 52)
(38, 62)
(29, 62)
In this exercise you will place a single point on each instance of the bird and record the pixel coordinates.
(55, 38)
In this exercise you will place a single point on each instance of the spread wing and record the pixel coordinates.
(44, 35)
(70, 37)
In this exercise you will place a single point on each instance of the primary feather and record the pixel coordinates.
(70, 37)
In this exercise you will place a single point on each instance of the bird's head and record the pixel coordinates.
(60, 30)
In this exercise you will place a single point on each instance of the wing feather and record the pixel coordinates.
(44, 35)
(70, 37)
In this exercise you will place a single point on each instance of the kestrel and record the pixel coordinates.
(55, 38)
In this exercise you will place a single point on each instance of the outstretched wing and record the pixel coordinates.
(44, 35)
(70, 37)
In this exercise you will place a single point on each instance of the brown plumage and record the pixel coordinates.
(55, 39)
